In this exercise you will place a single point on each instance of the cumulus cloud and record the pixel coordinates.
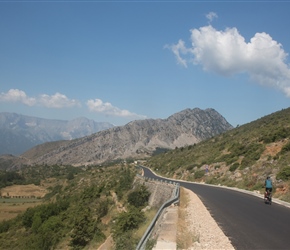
(54, 101)
(57, 101)
(107, 108)
(16, 95)
(226, 52)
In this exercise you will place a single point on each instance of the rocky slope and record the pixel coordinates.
(137, 139)
(19, 133)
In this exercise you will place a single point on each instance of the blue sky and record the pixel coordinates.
(118, 61)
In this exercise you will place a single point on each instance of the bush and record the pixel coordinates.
(126, 242)
(102, 208)
(284, 174)
(199, 174)
(139, 198)
(127, 221)
(125, 182)
(41, 213)
(4, 226)
(234, 167)
(285, 148)
(228, 158)
(85, 229)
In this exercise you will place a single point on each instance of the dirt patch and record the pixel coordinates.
(273, 149)
(108, 244)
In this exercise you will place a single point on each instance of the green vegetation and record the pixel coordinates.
(10, 178)
(34, 175)
(139, 197)
(124, 226)
(241, 157)
(79, 212)
(87, 204)
(284, 174)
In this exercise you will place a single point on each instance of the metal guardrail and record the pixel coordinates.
(175, 198)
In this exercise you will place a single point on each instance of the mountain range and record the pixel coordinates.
(136, 140)
(19, 133)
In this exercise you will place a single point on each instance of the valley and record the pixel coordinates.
(65, 195)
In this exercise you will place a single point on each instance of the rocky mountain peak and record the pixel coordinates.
(137, 139)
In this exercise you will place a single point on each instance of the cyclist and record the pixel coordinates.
(268, 186)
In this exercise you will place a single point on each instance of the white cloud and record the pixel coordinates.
(107, 108)
(16, 95)
(54, 101)
(211, 15)
(226, 52)
(57, 101)
(178, 50)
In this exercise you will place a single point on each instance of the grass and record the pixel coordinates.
(150, 214)
(11, 207)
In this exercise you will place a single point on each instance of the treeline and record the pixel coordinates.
(34, 174)
(10, 178)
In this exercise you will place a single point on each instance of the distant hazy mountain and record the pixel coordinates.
(18, 133)
(137, 139)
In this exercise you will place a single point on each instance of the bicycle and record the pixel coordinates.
(268, 197)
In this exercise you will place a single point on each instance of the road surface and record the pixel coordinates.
(245, 219)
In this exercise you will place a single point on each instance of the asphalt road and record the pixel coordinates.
(245, 219)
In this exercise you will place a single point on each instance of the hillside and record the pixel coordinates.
(19, 133)
(240, 157)
(77, 208)
(137, 139)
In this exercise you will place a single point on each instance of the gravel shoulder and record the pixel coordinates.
(195, 229)
(206, 233)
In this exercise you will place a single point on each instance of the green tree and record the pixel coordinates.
(139, 197)
(49, 232)
(36, 223)
(70, 176)
(102, 208)
(125, 182)
(85, 229)
(27, 217)
(127, 221)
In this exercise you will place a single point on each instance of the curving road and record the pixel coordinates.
(245, 219)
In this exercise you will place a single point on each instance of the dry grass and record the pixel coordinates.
(150, 214)
(24, 191)
(185, 237)
(11, 207)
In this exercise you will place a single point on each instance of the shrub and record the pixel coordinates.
(139, 197)
(102, 208)
(199, 174)
(234, 167)
(126, 241)
(127, 221)
(285, 148)
(4, 226)
(85, 229)
(284, 174)
(125, 182)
